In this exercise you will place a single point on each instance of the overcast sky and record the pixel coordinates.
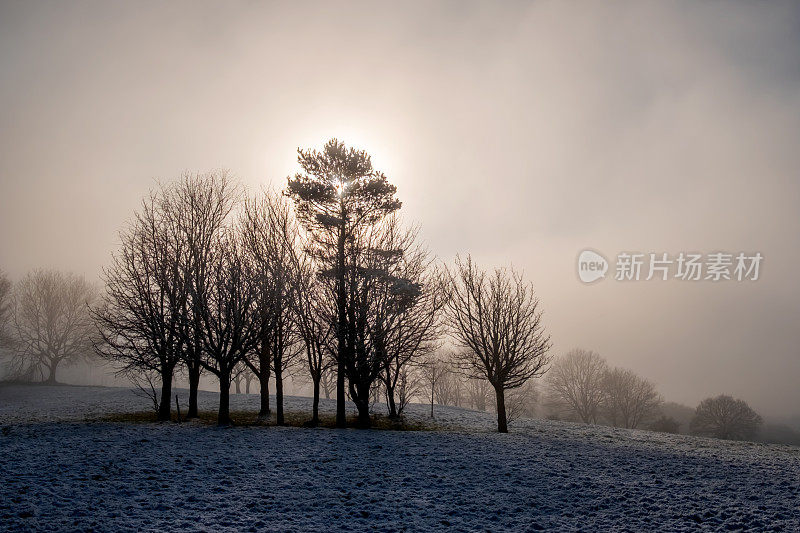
(521, 133)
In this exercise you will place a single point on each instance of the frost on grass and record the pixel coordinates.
(544, 475)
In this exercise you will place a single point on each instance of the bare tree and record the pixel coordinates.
(238, 377)
(447, 387)
(409, 325)
(628, 400)
(314, 320)
(223, 300)
(432, 371)
(329, 380)
(381, 311)
(146, 383)
(197, 210)
(248, 379)
(271, 237)
(575, 384)
(408, 385)
(259, 359)
(724, 417)
(459, 390)
(477, 390)
(521, 402)
(6, 313)
(144, 308)
(497, 323)
(52, 321)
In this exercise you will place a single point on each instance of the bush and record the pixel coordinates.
(666, 424)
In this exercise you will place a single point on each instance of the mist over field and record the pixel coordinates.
(573, 223)
(520, 133)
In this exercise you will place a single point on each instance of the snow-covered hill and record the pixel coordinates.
(63, 473)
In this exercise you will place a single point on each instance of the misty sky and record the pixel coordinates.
(519, 132)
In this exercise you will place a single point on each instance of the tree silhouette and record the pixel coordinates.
(197, 209)
(6, 312)
(725, 417)
(270, 234)
(337, 196)
(575, 384)
(144, 307)
(628, 400)
(496, 321)
(52, 319)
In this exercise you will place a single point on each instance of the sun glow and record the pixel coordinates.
(367, 138)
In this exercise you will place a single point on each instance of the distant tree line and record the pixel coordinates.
(582, 387)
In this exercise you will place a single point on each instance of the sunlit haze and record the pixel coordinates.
(521, 133)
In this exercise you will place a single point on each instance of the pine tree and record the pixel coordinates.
(338, 196)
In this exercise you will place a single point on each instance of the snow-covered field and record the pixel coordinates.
(63, 471)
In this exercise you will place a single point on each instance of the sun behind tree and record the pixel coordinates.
(338, 195)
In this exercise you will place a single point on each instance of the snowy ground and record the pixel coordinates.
(64, 473)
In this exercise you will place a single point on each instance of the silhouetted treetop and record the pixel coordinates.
(340, 182)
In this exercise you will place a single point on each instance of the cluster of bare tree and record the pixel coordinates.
(582, 387)
(438, 382)
(323, 276)
(324, 280)
(45, 323)
(194, 288)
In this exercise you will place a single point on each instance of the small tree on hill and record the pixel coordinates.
(575, 385)
(496, 321)
(725, 417)
(629, 400)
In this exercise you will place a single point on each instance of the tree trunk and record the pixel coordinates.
(263, 375)
(341, 304)
(364, 420)
(224, 414)
(263, 381)
(315, 405)
(360, 395)
(238, 383)
(502, 424)
(51, 378)
(194, 385)
(390, 400)
(433, 387)
(165, 406)
(247, 387)
(279, 396)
